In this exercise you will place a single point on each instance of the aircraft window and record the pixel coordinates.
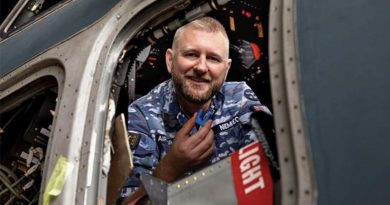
(15, 14)
(24, 137)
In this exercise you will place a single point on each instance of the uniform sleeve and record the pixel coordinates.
(144, 147)
(249, 102)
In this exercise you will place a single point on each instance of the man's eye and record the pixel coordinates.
(214, 59)
(190, 55)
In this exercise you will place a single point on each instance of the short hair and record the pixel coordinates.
(207, 24)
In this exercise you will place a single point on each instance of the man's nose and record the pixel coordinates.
(201, 65)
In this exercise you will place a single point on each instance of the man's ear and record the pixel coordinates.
(228, 64)
(169, 59)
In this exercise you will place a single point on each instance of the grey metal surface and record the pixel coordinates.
(345, 70)
(297, 177)
(156, 189)
(48, 31)
(213, 185)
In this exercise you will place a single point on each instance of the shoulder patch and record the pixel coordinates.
(259, 108)
(248, 93)
(133, 140)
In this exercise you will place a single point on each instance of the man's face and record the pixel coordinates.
(198, 64)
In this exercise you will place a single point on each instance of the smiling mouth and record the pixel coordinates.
(198, 80)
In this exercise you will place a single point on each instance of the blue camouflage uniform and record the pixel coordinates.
(154, 119)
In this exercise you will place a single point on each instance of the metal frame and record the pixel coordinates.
(19, 86)
(297, 175)
(29, 80)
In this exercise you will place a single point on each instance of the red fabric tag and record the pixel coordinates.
(252, 175)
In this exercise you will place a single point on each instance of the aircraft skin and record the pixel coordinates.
(330, 112)
(344, 80)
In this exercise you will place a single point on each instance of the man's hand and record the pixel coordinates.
(186, 151)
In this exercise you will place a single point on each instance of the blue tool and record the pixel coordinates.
(199, 121)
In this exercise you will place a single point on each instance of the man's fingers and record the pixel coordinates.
(204, 145)
(187, 127)
(207, 154)
(199, 136)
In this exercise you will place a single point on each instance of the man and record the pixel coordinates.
(168, 141)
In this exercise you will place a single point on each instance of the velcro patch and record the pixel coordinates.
(133, 140)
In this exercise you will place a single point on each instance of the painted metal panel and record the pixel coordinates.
(344, 69)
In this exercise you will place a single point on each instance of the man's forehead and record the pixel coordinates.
(194, 32)
(186, 42)
(190, 48)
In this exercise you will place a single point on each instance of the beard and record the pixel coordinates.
(191, 94)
